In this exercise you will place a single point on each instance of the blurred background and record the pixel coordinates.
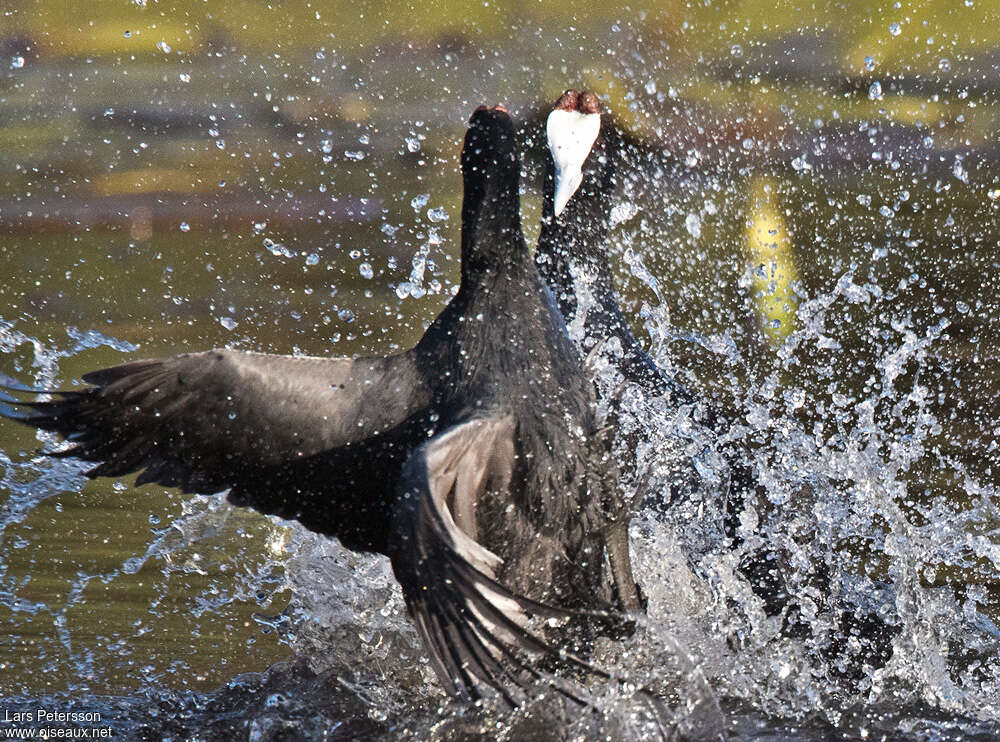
(807, 232)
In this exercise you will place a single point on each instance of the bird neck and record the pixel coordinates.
(571, 248)
(581, 235)
(493, 244)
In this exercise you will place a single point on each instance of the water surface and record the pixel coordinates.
(285, 187)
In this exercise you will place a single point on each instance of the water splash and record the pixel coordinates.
(859, 551)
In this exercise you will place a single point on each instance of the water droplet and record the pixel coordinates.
(651, 87)
(412, 144)
(354, 155)
(959, 171)
(875, 91)
(327, 146)
(312, 258)
(185, 227)
(345, 315)
(795, 398)
(736, 50)
(277, 249)
(693, 225)
(419, 202)
(962, 307)
(894, 29)
(437, 215)
(17, 63)
(944, 65)
(365, 269)
(228, 322)
(748, 144)
(622, 212)
(869, 63)
(184, 77)
(163, 46)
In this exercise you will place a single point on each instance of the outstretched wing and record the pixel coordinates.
(206, 421)
(477, 631)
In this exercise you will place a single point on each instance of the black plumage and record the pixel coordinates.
(572, 252)
(573, 258)
(471, 460)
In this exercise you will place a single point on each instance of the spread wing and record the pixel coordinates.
(477, 631)
(268, 426)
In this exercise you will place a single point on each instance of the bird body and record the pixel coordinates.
(572, 256)
(504, 348)
(471, 460)
(572, 252)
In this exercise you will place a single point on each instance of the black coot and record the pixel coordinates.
(572, 257)
(470, 460)
(581, 163)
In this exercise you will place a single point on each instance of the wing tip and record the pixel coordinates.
(103, 377)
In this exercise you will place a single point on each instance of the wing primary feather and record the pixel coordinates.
(489, 669)
(421, 618)
(475, 628)
(457, 676)
(107, 376)
(13, 385)
(9, 411)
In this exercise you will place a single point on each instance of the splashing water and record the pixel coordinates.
(875, 568)
(836, 471)
(834, 484)
(854, 429)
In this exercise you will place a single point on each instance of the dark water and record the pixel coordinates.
(305, 200)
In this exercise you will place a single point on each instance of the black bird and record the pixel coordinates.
(581, 164)
(471, 460)
(572, 257)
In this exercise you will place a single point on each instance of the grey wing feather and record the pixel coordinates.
(477, 631)
(202, 420)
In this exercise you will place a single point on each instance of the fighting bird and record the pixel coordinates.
(473, 460)
(573, 258)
